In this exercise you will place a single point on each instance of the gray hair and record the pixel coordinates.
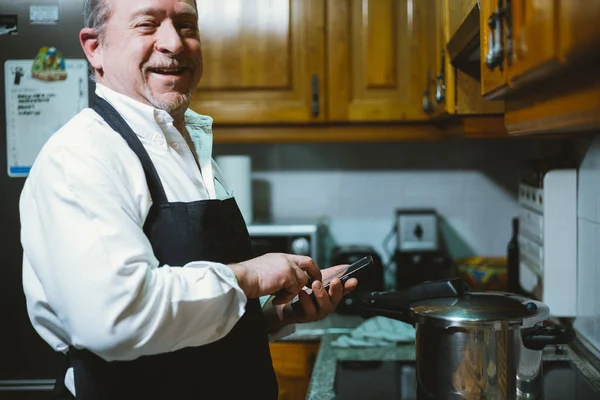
(95, 15)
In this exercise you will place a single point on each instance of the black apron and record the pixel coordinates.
(235, 367)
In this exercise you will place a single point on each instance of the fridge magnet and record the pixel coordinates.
(9, 24)
(43, 15)
(49, 65)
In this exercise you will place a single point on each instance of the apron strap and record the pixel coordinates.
(60, 391)
(118, 124)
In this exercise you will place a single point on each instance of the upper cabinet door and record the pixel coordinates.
(457, 12)
(493, 74)
(579, 28)
(263, 60)
(439, 61)
(377, 68)
(534, 36)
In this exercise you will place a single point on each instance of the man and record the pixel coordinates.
(137, 262)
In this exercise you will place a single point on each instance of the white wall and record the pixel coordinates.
(588, 263)
(472, 185)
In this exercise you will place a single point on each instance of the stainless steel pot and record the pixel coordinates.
(473, 345)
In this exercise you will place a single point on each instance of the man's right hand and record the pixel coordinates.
(279, 274)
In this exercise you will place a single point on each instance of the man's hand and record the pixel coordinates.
(278, 315)
(278, 274)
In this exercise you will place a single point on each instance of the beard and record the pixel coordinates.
(174, 99)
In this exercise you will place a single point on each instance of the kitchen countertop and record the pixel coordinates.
(322, 381)
(325, 331)
(323, 376)
(333, 324)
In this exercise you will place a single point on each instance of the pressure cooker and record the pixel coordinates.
(472, 345)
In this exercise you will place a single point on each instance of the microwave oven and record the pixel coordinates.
(302, 239)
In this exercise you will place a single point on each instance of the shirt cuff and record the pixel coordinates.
(281, 332)
(227, 277)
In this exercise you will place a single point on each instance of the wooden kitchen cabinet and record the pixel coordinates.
(546, 35)
(269, 64)
(579, 33)
(494, 80)
(293, 363)
(262, 62)
(529, 55)
(462, 73)
(437, 91)
(458, 10)
(377, 65)
(556, 49)
(534, 35)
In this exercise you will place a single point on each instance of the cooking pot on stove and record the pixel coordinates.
(471, 345)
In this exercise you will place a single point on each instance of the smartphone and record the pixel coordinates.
(346, 273)
(343, 275)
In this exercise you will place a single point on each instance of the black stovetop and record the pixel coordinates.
(374, 380)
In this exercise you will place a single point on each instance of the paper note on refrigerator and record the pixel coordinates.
(38, 102)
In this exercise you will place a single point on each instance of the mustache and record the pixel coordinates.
(166, 64)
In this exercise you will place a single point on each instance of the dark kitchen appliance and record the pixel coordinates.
(512, 259)
(472, 345)
(303, 238)
(28, 366)
(370, 279)
(395, 380)
(420, 254)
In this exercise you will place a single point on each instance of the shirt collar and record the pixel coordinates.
(146, 119)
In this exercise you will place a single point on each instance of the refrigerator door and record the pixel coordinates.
(27, 363)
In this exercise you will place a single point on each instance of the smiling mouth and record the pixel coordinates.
(168, 71)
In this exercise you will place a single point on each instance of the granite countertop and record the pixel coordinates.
(335, 324)
(326, 330)
(322, 381)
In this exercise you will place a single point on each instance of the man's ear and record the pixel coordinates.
(88, 37)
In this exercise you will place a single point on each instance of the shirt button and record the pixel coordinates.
(176, 146)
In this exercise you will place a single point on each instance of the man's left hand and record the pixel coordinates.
(306, 310)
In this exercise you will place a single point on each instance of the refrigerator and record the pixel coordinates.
(28, 366)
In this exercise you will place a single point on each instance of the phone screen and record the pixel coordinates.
(345, 273)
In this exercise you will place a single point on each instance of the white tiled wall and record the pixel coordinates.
(588, 263)
(472, 185)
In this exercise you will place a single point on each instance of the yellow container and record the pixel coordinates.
(483, 273)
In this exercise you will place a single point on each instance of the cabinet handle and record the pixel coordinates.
(509, 44)
(440, 87)
(427, 106)
(498, 52)
(495, 55)
(315, 96)
(489, 57)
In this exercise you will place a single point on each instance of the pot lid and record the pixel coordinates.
(479, 309)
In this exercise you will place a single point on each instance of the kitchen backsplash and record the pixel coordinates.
(358, 187)
(588, 264)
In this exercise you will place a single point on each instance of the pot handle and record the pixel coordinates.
(395, 304)
(538, 338)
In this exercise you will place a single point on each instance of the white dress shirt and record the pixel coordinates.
(89, 273)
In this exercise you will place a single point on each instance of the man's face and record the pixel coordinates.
(151, 51)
